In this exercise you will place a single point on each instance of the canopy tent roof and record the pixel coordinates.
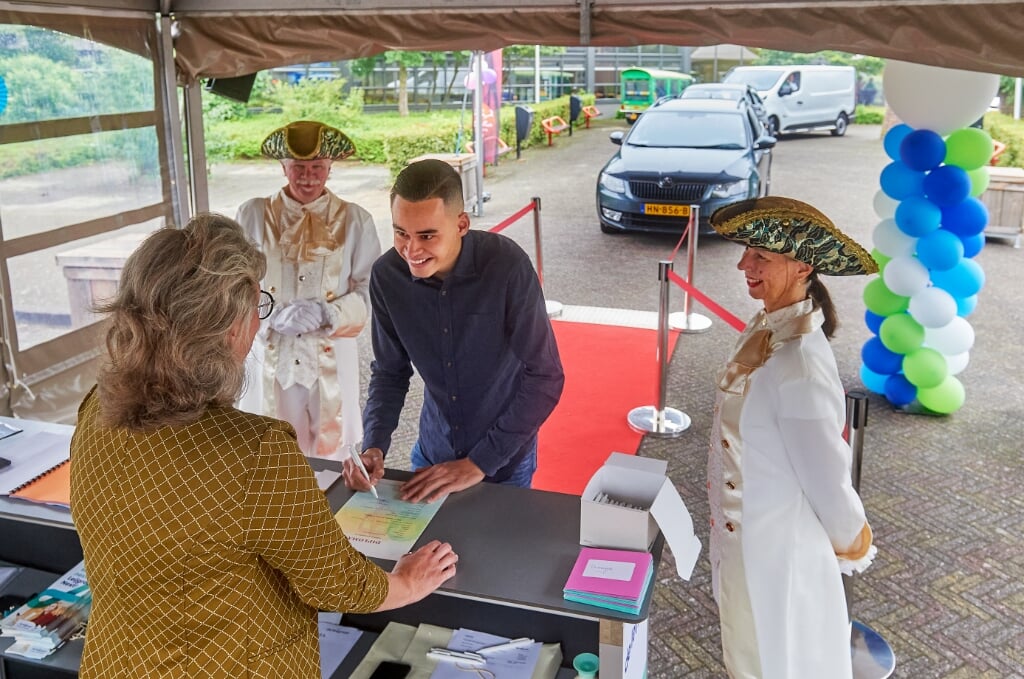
(723, 53)
(224, 38)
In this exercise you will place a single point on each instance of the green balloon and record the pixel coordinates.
(979, 180)
(880, 300)
(969, 148)
(901, 334)
(881, 259)
(925, 368)
(946, 398)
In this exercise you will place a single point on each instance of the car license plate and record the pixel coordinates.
(666, 210)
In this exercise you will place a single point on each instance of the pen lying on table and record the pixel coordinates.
(506, 646)
(438, 653)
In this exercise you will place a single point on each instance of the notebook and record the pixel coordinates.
(617, 573)
(33, 459)
(52, 487)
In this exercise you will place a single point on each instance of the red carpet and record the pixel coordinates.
(609, 370)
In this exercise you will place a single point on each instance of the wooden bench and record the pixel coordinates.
(554, 125)
(590, 112)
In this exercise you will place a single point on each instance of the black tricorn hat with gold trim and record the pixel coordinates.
(795, 229)
(307, 140)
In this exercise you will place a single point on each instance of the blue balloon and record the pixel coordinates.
(965, 305)
(917, 216)
(899, 390)
(963, 280)
(966, 218)
(880, 359)
(940, 250)
(894, 139)
(898, 181)
(973, 244)
(872, 380)
(922, 150)
(947, 185)
(873, 321)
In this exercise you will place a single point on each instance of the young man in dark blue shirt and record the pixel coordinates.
(466, 310)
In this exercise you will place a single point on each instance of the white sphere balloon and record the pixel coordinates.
(885, 205)
(956, 337)
(891, 241)
(935, 98)
(932, 307)
(906, 276)
(956, 363)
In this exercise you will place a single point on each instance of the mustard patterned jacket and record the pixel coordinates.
(208, 549)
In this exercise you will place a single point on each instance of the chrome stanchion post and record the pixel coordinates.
(657, 420)
(687, 321)
(872, 656)
(553, 308)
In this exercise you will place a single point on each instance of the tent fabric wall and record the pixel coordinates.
(982, 36)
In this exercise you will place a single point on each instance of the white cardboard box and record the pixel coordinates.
(642, 483)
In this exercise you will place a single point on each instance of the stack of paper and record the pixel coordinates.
(50, 618)
(610, 578)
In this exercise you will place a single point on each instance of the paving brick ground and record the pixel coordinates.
(943, 494)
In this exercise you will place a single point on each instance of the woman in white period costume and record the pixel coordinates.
(305, 363)
(785, 518)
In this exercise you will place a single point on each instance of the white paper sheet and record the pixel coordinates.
(609, 570)
(385, 527)
(335, 643)
(516, 663)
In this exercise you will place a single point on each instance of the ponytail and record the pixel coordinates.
(818, 293)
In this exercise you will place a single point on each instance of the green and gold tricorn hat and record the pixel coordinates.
(795, 229)
(307, 140)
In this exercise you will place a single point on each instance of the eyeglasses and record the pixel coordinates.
(266, 305)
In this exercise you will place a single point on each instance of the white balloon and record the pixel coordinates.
(885, 205)
(891, 241)
(932, 307)
(956, 364)
(935, 98)
(906, 275)
(956, 337)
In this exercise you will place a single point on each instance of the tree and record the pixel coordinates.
(865, 65)
(404, 60)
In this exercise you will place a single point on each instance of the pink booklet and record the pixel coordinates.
(610, 572)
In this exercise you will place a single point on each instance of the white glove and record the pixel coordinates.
(848, 567)
(300, 316)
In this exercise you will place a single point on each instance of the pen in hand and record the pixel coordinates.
(362, 468)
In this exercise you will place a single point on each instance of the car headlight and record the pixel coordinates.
(613, 184)
(729, 189)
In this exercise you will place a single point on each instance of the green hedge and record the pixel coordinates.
(869, 115)
(1009, 131)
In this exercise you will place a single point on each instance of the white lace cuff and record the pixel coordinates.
(851, 566)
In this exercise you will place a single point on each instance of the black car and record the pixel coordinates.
(703, 152)
(733, 91)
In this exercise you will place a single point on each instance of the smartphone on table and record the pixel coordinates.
(391, 670)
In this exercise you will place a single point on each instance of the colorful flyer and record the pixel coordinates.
(386, 527)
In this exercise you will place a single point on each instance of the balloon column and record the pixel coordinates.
(930, 231)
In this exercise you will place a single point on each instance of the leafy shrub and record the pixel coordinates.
(869, 115)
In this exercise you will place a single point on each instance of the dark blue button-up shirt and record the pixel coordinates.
(482, 342)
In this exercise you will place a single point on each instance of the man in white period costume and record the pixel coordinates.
(785, 519)
(304, 366)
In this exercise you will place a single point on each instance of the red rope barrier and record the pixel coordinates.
(502, 225)
(675, 250)
(712, 306)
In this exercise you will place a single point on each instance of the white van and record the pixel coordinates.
(801, 98)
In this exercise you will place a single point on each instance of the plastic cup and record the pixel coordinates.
(586, 665)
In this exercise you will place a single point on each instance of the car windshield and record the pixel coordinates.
(711, 93)
(761, 81)
(688, 129)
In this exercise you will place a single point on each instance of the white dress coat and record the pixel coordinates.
(783, 504)
(325, 362)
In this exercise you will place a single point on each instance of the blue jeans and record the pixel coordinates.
(522, 476)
